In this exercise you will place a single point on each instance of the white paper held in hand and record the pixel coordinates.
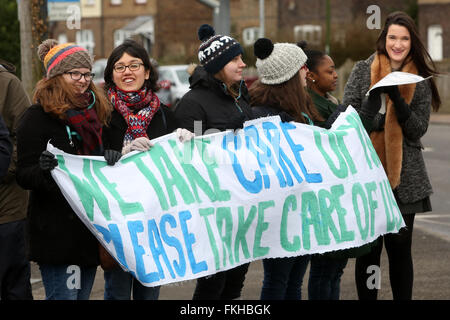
(397, 78)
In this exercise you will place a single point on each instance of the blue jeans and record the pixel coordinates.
(67, 282)
(325, 277)
(119, 285)
(283, 278)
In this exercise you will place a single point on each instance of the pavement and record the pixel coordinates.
(431, 256)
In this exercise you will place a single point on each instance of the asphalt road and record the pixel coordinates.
(431, 242)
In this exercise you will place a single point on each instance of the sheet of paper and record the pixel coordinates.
(397, 78)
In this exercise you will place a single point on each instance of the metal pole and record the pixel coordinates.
(261, 19)
(327, 45)
(223, 18)
(26, 42)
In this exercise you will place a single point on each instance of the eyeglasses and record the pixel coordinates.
(133, 67)
(75, 75)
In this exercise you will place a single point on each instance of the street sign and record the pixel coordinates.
(61, 10)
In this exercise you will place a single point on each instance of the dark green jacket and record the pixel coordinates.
(13, 102)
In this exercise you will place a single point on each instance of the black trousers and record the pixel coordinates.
(401, 273)
(225, 285)
(14, 265)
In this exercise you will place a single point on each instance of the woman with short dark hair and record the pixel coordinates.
(138, 117)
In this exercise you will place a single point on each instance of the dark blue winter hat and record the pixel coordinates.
(216, 50)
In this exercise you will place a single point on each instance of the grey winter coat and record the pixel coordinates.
(414, 182)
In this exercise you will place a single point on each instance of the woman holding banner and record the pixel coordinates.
(325, 269)
(68, 112)
(280, 91)
(218, 100)
(138, 116)
(396, 135)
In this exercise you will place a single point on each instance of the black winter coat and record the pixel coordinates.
(209, 102)
(57, 235)
(163, 122)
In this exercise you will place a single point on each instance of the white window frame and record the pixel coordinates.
(85, 38)
(250, 35)
(120, 36)
(435, 45)
(140, 1)
(116, 2)
(62, 38)
(311, 33)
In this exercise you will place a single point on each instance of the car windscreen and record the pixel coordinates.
(183, 76)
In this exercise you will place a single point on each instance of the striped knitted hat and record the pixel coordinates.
(60, 58)
(216, 50)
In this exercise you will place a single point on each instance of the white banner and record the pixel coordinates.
(273, 189)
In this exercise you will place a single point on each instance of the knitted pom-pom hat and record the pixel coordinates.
(279, 62)
(216, 50)
(60, 58)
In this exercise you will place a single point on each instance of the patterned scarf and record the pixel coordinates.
(86, 125)
(137, 108)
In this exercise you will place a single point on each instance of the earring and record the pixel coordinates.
(313, 80)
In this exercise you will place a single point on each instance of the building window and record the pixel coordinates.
(62, 38)
(435, 47)
(116, 2)
(85, 38)
(250, 35)
(312, 34)
(140, 1)
(120, 36)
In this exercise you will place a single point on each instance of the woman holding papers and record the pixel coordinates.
(280, 90)
(396, 135)
(68, 112)
(218, 100)
(138, 116)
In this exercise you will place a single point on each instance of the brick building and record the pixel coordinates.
(168, 28)
(163, 27)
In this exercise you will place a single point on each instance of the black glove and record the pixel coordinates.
(47, 161)
(332, 118)
(112, 156)
(378, 123)
(402, 109)
(371, 104)
(285, 117)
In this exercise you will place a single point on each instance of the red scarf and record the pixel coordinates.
(137, 108)
(87, 126)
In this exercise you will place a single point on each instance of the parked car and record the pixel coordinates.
(99, 69)
(173, 79)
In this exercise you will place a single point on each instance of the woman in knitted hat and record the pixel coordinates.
(280, 91)
(138, 116)
(218, 100)
(396, 135)
(68, 112)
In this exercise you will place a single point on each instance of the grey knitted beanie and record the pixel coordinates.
(279, 62)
